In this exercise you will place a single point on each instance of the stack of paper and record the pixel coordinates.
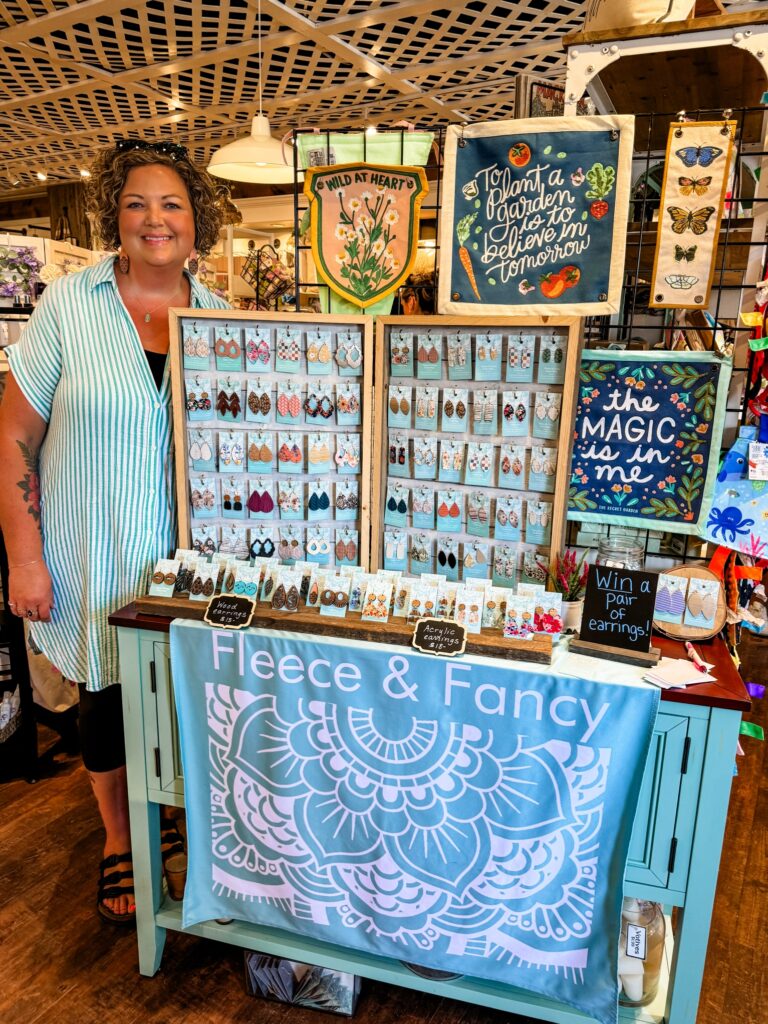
(678, 672)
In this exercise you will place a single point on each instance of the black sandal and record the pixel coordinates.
(111, 886)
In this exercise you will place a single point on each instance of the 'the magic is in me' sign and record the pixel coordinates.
(647, 438)
(535, 216)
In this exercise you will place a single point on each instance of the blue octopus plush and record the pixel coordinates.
(738, 516)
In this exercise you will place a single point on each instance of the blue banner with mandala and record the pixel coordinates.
(647, 438)
(461, 814)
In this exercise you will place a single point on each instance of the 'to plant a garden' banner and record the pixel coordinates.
(535, 216)
(647, 438)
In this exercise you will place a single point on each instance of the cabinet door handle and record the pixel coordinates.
(672, 855)
(152, 677)
(157, 761)
(686, 753)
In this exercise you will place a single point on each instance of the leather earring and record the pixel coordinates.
(193, 263)
(123, 262)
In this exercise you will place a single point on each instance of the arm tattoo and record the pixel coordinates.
(30, 483)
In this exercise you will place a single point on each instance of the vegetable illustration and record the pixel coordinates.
(519, 154)
(552, 286)
(602, 179)
(463, 228)
(571, 275)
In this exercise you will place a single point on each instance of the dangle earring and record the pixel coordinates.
(193, 263)
(123, 262)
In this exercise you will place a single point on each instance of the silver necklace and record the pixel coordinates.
(165, 302)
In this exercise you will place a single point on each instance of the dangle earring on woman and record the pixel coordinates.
(193, 263)
(123, 262)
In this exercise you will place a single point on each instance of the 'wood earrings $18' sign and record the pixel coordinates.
(647, 438)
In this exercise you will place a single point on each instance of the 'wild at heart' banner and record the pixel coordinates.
(692, 198)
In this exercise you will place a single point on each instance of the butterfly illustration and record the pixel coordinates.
(690, 220)
(703, 155)
(685, 254)
(681, 281)
(697, 185)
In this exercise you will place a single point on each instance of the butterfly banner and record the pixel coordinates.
(696, 174)
(535, 216)
(647, 438)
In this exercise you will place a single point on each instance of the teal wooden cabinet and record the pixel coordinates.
(674, 852)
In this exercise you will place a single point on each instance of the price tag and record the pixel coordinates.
(439, 636)
(636, 941)
(758, 460)
(229, 612)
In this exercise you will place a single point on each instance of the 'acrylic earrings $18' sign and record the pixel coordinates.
(647, 438)
(535, 216)
(364, 226)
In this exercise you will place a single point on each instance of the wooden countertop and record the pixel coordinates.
(728, 692)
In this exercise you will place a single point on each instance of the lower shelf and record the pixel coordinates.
(472, 990)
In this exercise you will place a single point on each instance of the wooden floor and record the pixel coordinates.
(60, 965)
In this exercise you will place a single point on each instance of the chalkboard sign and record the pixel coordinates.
(647, 438)
(439, 636)
(535, 216)
(229, 612)
(618, 608)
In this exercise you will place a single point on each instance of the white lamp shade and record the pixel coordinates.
(256, 158)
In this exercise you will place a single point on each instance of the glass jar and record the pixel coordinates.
(641, 951)
(620, 551)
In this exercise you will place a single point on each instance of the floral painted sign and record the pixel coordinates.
(535, 216)
(364, 223)
(647, 438)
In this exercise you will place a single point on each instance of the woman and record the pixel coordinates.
(417, 296)
(86, 412)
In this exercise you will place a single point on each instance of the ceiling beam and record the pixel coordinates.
(332, 44)
(65, 17)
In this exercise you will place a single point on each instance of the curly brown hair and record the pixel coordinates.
(108, 175)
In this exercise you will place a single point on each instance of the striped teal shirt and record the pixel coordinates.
(106, 470)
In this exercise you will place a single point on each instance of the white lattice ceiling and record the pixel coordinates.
(74, 74)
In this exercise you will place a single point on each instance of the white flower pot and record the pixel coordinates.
(572, 612)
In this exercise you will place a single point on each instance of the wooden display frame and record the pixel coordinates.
(181, 423)
(564, 441)
(537, 650)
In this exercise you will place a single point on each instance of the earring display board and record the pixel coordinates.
(271, 417)
(473, 425)
(690, 603)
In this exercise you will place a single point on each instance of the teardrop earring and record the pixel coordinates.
(193, 263)
(123, 262)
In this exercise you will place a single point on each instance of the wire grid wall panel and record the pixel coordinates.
(636, 324)
(308, 286)
(731, 291)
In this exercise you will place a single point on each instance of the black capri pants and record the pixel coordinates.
(101, 728)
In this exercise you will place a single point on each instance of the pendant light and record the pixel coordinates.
(258, 157)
